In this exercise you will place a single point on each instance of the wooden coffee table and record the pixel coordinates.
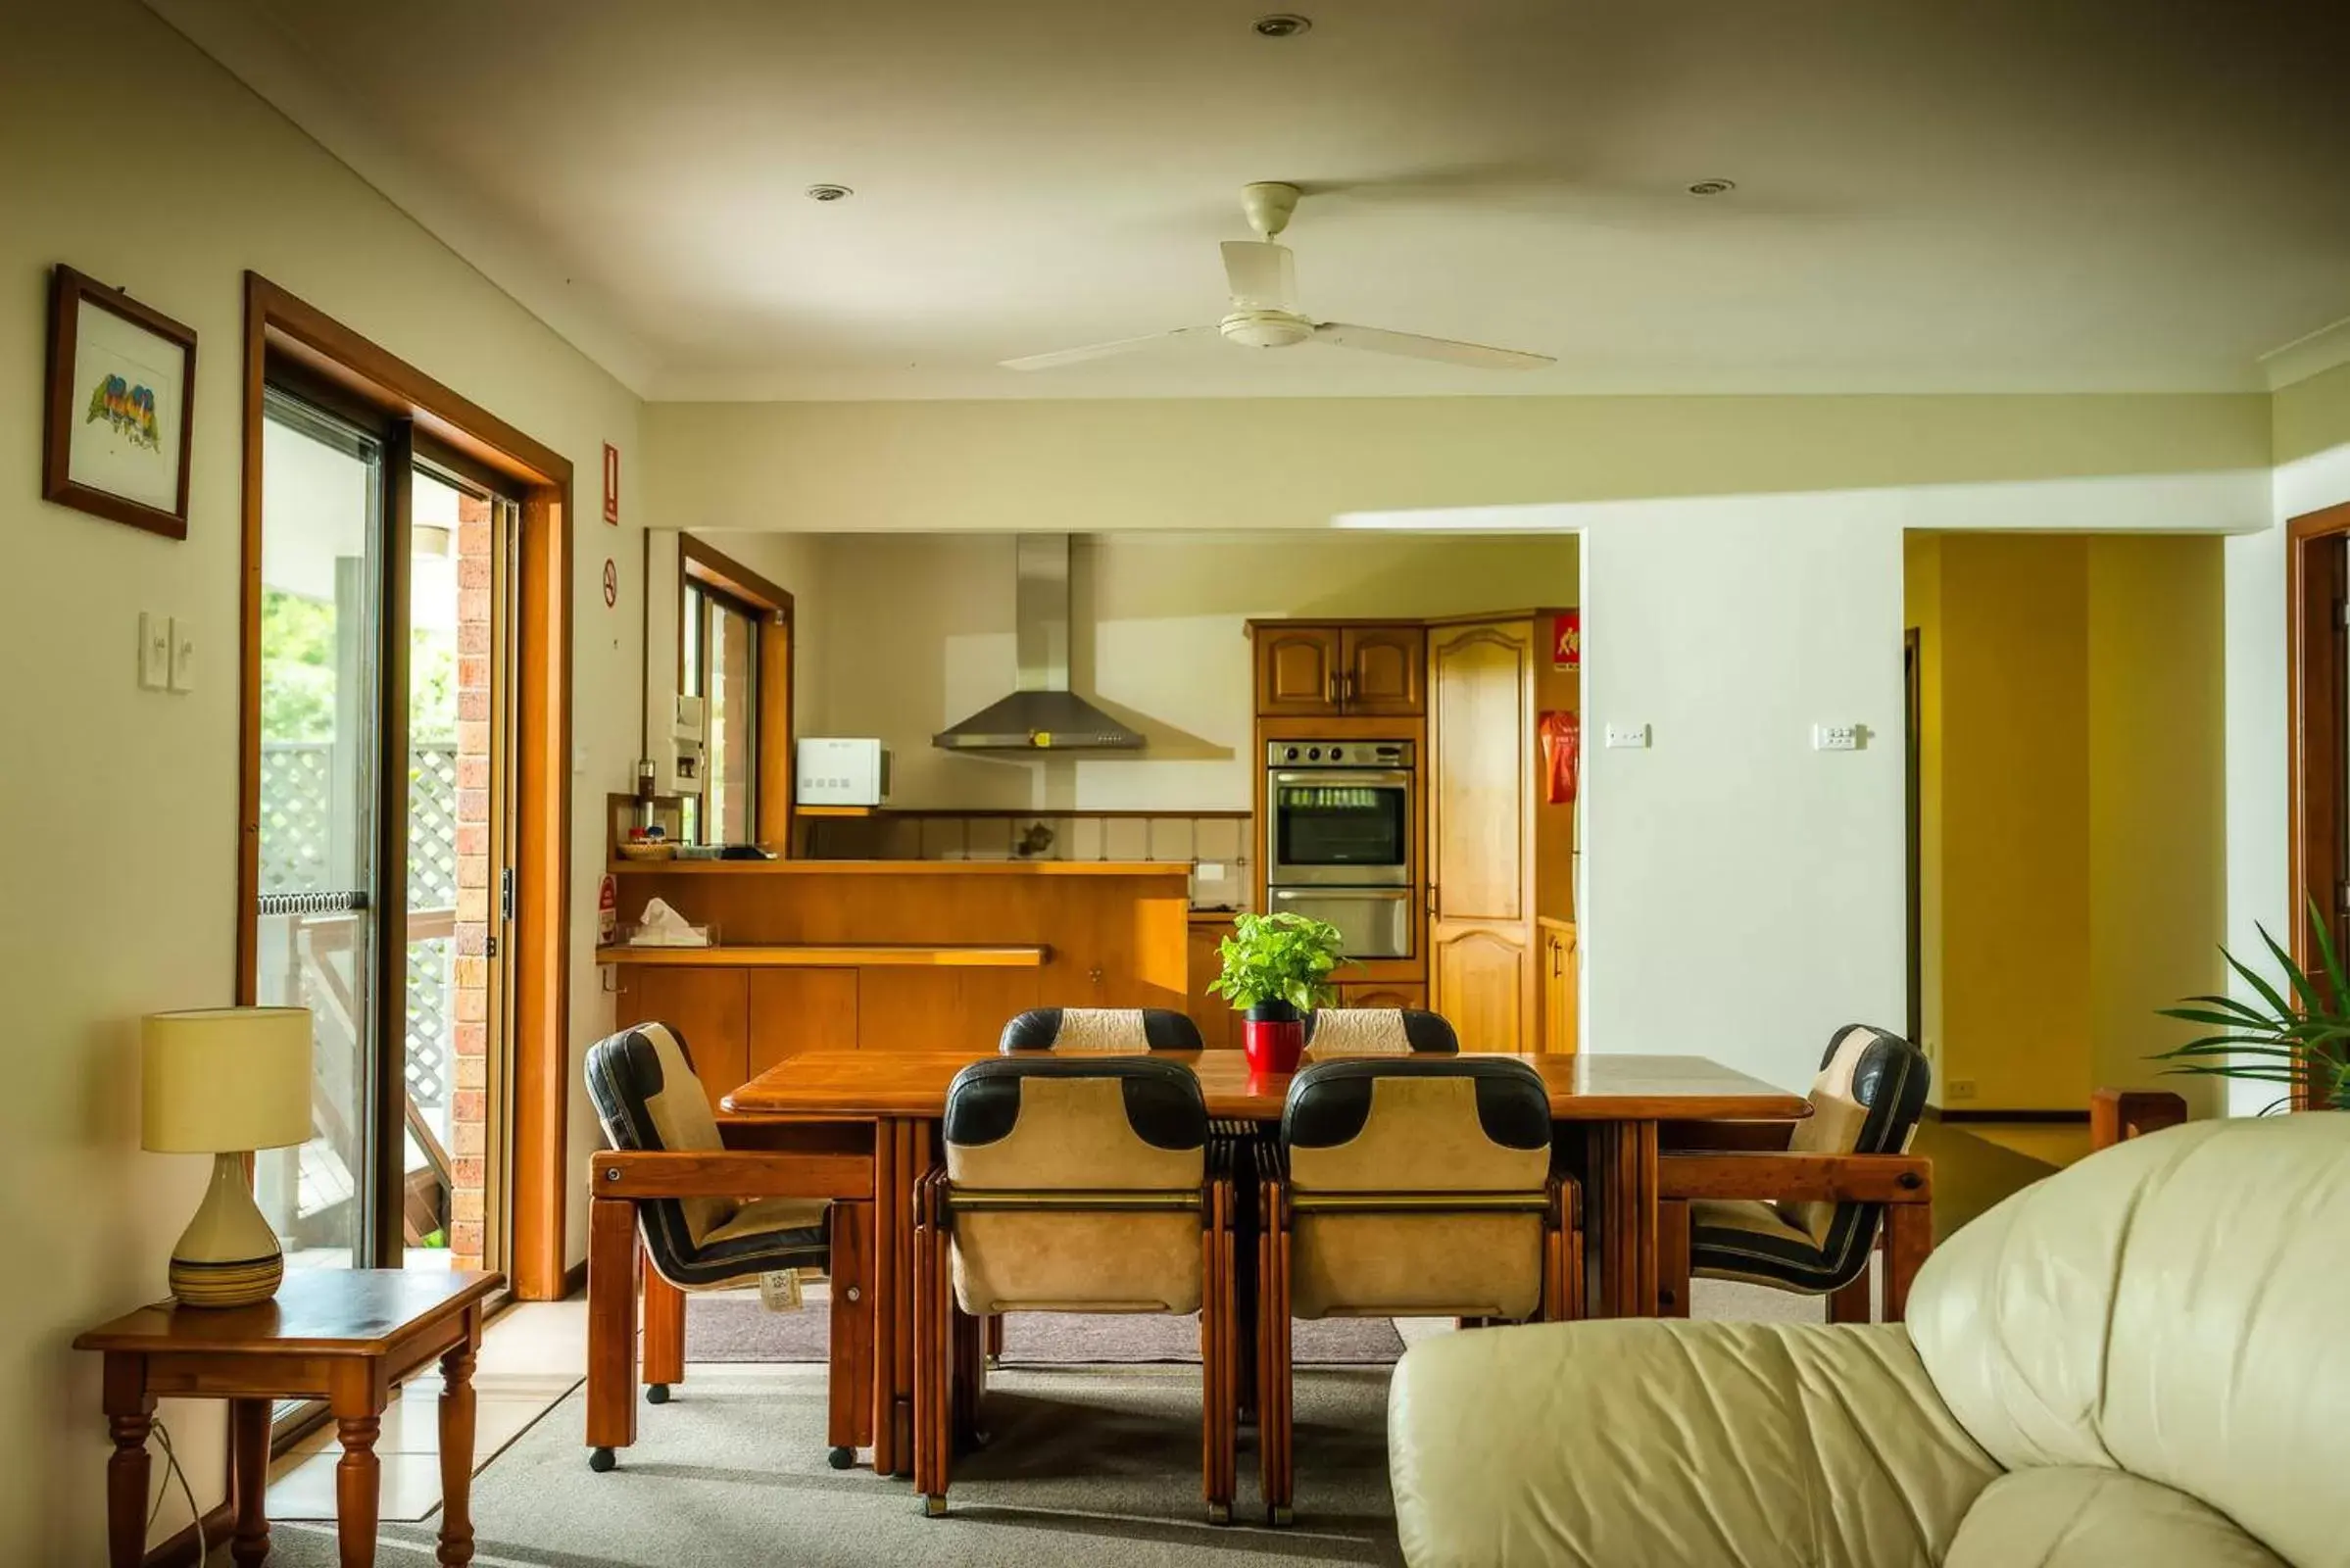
(344, 1336)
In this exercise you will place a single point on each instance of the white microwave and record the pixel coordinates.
(834, 770)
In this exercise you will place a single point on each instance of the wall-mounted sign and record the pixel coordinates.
(1566, 640)
(612, 584)
(611, 484)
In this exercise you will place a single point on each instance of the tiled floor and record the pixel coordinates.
(530, 1358)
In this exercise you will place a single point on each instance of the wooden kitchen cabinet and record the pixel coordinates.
(1558, 983)
(1220, 1028)
(1382, 671)
(1368, 670)
(1498, 854)
(708, 1009)
(1380, 993)
(1296, 671)
(798, 1009)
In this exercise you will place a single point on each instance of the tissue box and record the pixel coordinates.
(668, 936)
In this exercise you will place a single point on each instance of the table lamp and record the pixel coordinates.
(223, 1082)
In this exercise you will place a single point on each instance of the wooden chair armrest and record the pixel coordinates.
(1723, 1137)
(747, 1134)
(2116, 1114)
(644, 1173)
(1798, 1178)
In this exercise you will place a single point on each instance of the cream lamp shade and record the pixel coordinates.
(226, 1080)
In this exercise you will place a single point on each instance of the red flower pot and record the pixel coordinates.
(1272, 1044)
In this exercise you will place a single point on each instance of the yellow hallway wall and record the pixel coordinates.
(2015, 799)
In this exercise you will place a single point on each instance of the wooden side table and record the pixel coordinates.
(344, 1336)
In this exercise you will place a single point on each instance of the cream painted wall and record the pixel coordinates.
(917, 633)
(122, 865)
(1295, 463)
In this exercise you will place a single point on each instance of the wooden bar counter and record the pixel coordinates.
(893, 954)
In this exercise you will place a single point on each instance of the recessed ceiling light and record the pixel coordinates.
(829, 193)
(1282, 24)
(1713, 188)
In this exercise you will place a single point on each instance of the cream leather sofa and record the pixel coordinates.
(2142, 1362)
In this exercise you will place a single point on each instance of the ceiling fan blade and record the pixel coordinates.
(1378, 340)
(1261, 274)
(1097, 350)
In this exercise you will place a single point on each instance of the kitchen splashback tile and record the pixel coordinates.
(1217, 838)
(989, 838)
(1170, 838)
(942, 836)
(1126, 838)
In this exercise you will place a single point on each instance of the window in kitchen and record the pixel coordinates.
(734, 653)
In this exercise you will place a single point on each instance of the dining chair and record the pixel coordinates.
(1114, 1030)
(1071, 1185)
(1332, 1032)
(701, 1214)
(1415, 1185)
(1110, 1031)
(1804, 1212)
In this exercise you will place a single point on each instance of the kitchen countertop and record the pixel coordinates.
(830, 955)
(1169, 868)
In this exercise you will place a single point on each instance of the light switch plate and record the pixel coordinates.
(1632, 735)
(1834, 738)
(183, 654)
(155, 652)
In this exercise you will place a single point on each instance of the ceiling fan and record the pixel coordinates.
(1264, 315)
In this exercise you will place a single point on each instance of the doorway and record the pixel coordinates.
(384, 827)
(2317, 734)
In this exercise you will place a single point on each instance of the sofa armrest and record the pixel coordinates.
(1601, 1445)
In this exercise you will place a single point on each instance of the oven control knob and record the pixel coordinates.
(1314, 756)
(1292, 753)
(1336, 755)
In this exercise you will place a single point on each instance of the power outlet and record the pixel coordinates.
(1835, 738)
(1961, 1087)
(1635, 736)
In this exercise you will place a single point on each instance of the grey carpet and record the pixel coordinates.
(736, 1328)
(1082, 1466)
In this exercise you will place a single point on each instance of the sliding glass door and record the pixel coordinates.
(384, 888)
(321, 762)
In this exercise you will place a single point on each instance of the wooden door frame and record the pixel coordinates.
(2316, 581)
(277, 322)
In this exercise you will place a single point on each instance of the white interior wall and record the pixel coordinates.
(2312, 454)
(1742, 892)
(120, 881)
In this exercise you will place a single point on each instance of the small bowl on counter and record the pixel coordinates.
(646, 849)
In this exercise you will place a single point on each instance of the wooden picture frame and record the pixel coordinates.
(119, 418)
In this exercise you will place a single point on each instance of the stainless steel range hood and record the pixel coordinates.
(1042, 713)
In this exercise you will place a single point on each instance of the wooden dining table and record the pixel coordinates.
(1618, 1105)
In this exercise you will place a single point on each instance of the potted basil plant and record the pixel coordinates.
(1277, 971)
(2297, 1038)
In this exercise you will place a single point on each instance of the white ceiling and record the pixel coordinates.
(1933, 195)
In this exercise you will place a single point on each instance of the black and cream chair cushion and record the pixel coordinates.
(1105, 1030)
(1030, 1131)
(642, 1084)
(1379, 1032)
(1423, 1127)
(1866, 1101)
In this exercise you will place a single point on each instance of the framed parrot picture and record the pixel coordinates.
(117, 422)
